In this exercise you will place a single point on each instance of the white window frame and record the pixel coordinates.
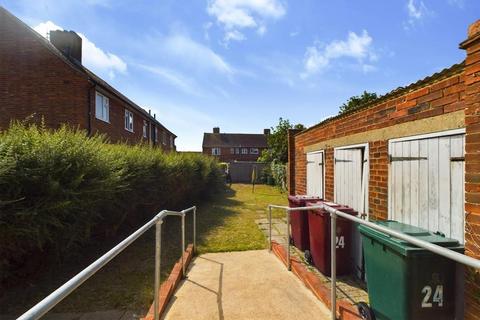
(244, 150)
(323, 162)
(171, 141)
(232, 150)
(164, 137)
(145, 129)
(216, 151)
(156, 134)
(128, 120)
(254, 151)
(102, 112)
(237, 150)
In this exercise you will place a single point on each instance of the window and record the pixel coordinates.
(171, 142)
(145, 128)
(155, 135)
(102, 107)
(232, 150)
(237, 150)
(216, 151)
(244, 150)
(253, 150)
(164, 138)
(128, 120)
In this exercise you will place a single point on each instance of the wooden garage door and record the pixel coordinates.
(315, 174)
(350, 178)
(427, 183)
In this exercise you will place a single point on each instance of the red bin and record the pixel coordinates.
(299, 220)
(320, 235)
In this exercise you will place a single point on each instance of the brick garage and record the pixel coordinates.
(444, 106)
(39, 83)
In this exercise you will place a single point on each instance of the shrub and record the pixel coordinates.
(279, 174)
(59, 188)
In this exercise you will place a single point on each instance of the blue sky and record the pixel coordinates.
(242, 64)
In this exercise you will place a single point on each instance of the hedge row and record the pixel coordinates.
(60, 188)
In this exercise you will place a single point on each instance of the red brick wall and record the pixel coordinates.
(472, 167)
(227, 156)
(432, 99)
(33, 80)
(36, 84)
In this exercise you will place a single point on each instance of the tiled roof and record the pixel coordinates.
(234, 140)
(443, 74)
(82, 69)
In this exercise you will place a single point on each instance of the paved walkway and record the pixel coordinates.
(242, 285)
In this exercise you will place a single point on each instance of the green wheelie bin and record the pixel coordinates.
(406, 282)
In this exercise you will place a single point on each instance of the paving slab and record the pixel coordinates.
(242, 285)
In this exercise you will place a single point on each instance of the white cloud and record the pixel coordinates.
(416, 12)
(235, 15)
(358, 47)
(174, 78)
(92, 56)
(233, 35)
(193, 54)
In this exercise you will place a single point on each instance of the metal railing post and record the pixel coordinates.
(289, 266)
(333, 265)
(158, 255)
(270, 228)
(194, 230)
(183, 243)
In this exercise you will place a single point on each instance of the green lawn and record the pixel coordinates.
(225, 223)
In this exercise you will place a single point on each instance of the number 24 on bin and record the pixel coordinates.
(437, 296)
(340, 242)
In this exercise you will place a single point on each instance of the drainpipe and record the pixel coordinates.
(89, 121)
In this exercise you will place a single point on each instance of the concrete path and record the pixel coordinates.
(242, 285)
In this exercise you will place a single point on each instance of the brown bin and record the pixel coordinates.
(299, 220)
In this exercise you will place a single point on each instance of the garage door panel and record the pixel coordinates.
(423, 195)
(406, 185)
(444, 185)
(433, 184)
(414, 171)
(426, 186)
(457, 169)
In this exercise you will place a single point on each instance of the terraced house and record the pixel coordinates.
(44, 80)
(229, 147)
(413, 155)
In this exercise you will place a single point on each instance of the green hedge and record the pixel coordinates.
(60, 188)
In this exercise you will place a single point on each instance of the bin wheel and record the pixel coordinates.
(308, 256)
(365, 311)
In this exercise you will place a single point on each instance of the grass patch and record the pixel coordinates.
(226, 223)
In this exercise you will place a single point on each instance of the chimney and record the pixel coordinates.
(266, 131)
(69, 43)
(155, 116)
(216, 130)
(149, 111)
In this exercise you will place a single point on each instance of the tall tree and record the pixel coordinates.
(357, 101)
(278, 142)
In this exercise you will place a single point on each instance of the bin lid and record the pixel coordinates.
(402, 246)
(302, 198)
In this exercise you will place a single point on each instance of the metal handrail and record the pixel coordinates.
(450, 254)
(41, 308)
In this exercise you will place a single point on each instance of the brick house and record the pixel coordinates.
(45, 80)
(229, 147)
(413, 155)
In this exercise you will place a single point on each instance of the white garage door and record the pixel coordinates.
(427, 183)
(315, 174)
(351, 171)
(351, 189)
